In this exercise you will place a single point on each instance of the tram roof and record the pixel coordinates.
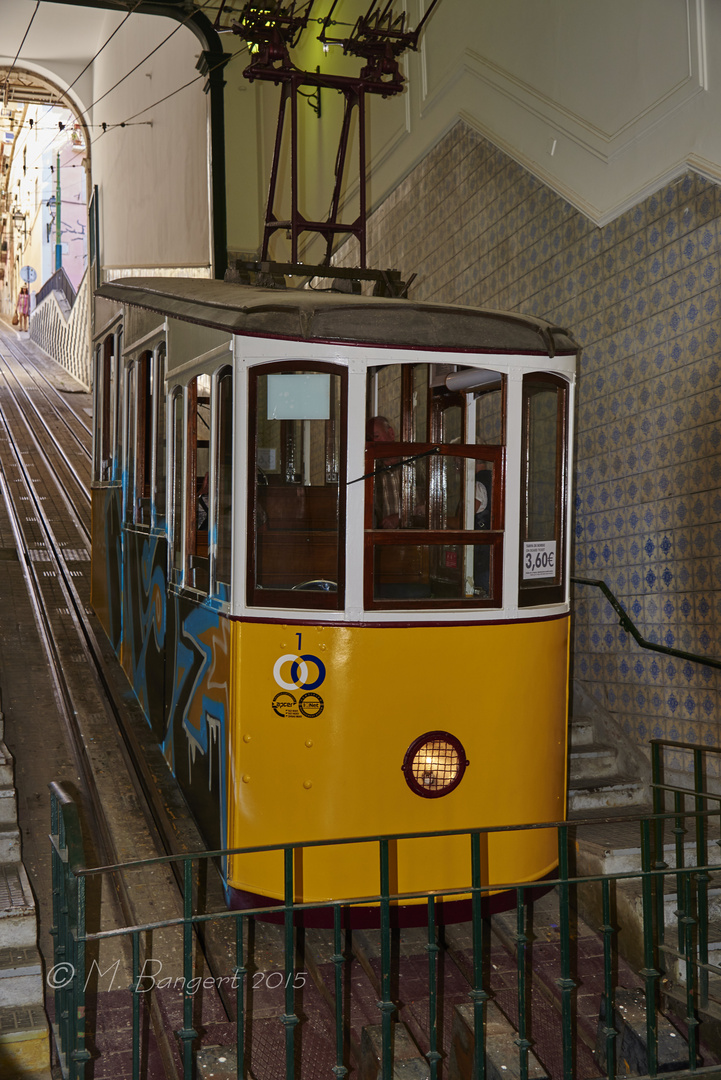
(313, 315)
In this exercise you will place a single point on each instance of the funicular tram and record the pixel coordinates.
(331, 549)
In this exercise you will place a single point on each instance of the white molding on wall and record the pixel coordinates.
(602, 171)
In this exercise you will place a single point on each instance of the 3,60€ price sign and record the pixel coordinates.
(539, 559)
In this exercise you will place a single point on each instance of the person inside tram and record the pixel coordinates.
(482, 520)
(386, 485)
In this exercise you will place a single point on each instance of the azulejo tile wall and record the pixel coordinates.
(641, 296)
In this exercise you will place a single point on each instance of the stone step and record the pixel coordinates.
(580, 731)
(9, 843)
(24, 1041)
(8, 806)
(631, 1045)
(611, 791)
(18, 927)
(501, 1047)
(21, 977)
(677, 966)
(7, 776)
(625, 858)
(592, 760)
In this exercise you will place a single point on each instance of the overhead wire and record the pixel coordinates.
(94, 58)
(12, 66)
(151, 53)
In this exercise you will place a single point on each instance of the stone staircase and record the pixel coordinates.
(601, 776)
(24, 1034)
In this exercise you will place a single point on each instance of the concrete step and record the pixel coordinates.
(21, 977)
(8, 806)
(18, 926)
(677, 966)
(624, 856)
(591, 761)
(9, 843)
(7, 774)
(24, 1042)
(581, 731)
(501, 1047)
(611, 791)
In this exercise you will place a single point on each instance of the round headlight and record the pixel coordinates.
(434, 764)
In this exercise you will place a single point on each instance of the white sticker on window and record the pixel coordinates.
(299, 397)
(539, 559)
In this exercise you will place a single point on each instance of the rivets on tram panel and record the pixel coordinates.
(246, 737)
(309, 743)
(307, 784)
(246, 779)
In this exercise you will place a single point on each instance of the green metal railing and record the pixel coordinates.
(72, 940)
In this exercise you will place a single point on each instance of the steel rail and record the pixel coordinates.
(23, 360)
(82, 484)
(102, 835)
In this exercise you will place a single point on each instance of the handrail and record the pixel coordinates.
(627, 625)
(57, 282)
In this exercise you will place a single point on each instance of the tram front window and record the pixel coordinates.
(296, 501)
(434, 498)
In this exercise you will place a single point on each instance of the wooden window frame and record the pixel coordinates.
(291, 598)
(422, 537)
(544, 593)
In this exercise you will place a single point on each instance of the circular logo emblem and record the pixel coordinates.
(311, 705)
(282, 703)
(306, 672)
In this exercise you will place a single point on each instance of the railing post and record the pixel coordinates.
(702, 877)
(239, 973)
(68, 974)
(478, 995)
(688, 922)
(609, 1031)
(289, 1017)
(188, 1034)
(339, 1069)
(136, 1005)
(649, 971)
(385, 1004)
(659, 804)
(433, 949)
(521, 941)
(566, 983)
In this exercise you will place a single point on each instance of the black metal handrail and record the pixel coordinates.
(58, 282)
(628, 625)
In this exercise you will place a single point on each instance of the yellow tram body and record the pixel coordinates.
(331, 548)
(501, 688)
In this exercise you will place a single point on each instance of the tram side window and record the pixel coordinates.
(223, 488)
(197, 488)
(543, 490)
(131, 397)
(160, 437)
(178, 458)
(296, 501)
(434, 494)
(143, 400)
(105, 408)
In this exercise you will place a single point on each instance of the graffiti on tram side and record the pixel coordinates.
(144, 624)
(196, 740)
(107, 561)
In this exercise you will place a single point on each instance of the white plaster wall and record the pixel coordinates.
(152, 180)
